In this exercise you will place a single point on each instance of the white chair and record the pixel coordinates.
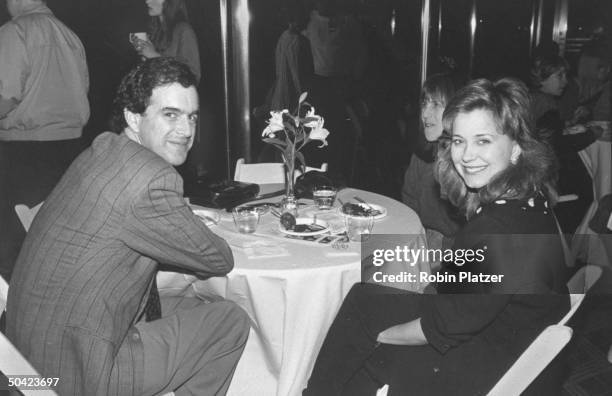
(12, 361)
(26, 215)
(578, 285)
(266, 172)
(550, 341)
(3, 294)
(546, 345)
(533, 361)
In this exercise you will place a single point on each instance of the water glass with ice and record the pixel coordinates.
(324, 197)
(246, 219)
(359, 228)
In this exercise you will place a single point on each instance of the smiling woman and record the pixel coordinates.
(479, 150)
(493, 151)
(485, 313)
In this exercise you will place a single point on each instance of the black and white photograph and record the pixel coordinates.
(306, 197)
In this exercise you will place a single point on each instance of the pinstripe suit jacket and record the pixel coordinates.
(85, 269)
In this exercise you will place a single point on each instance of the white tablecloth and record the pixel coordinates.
(292, 291)
(586, 245)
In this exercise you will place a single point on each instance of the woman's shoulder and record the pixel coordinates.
(183, 28)
(514, 216)
(542, 103)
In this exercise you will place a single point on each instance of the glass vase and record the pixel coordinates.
(289, 203)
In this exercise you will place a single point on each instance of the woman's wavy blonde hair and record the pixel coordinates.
(535, 170)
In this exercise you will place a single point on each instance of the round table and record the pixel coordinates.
(292, 291)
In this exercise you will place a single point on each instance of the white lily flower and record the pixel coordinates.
(319, 133)
(275, 123)
(313, 123)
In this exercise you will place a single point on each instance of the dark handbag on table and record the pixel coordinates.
(305, 183)
(225, 194)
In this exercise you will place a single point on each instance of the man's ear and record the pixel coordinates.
(132, 119)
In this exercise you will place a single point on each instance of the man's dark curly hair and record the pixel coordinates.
(137, 86)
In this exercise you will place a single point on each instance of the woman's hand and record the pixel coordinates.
(146, 48)
(580, 114)
(573, 130)
(409, 333)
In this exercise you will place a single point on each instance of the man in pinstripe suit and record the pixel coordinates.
(83, 275)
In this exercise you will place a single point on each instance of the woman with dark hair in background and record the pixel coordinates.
(496, 170)
(549, 79)
(170, 34)
(420, 190)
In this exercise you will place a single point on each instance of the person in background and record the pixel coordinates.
(43, 108)
(339, 53)
(170, 34)
(293, 61)
(462, 340)
(594, 81)
(81, 281)
(549, 79)
(420, 190)
(293, 70)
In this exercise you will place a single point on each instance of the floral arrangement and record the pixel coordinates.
(291, 132)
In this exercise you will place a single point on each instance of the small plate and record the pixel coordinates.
(321, 227)
(382, 211)
(208, 216)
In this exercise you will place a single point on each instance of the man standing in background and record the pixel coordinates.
(43, 108)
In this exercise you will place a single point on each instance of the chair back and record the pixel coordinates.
(262, 173)
(550, 342)
(532, 361)
(578, 285)
(12, 361)
(26, 215)
(3, 294)
(584, 279)
(266, 172)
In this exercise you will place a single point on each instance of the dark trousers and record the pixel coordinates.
(351, 361)
(28, 173)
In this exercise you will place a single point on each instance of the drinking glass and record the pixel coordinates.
(359, 228)
(134, 37)
(324, 197)
(246, 219)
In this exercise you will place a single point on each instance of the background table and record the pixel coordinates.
(586, 244)
(292, 291)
